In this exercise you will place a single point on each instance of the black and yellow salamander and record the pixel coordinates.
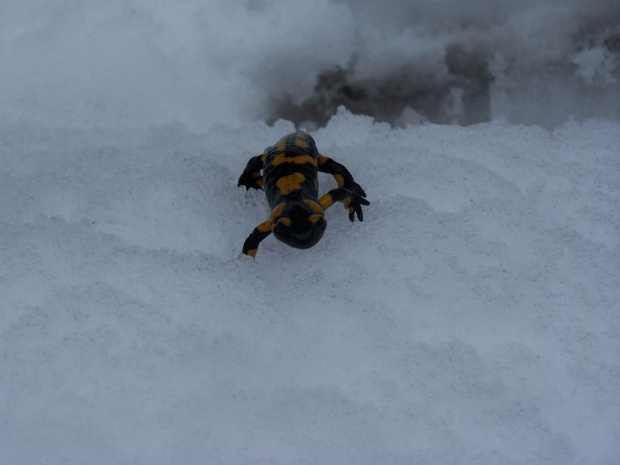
(290, 180)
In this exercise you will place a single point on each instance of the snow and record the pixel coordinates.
(471, 318)
(123, 63)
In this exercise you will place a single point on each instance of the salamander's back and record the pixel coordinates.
(290, 169)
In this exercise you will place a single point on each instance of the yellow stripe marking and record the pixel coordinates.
(298, 160)
(252, 253)
(326, 201)
(339, 179)
(322, 160)
(314, 205)
(265, 226)
(291, 183)
(277, 211)
(281, 145)
(315, 217)
(301, 143)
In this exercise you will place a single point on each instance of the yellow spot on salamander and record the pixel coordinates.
(277, 211)
(252, 252)
(339, 179)
(281, 145)
(314, 205)
(259, 182)
(316, 183)
(298, 160)
(265, 226)
(326, 201)
(301, 143)
(315, 217)
(322, 160)
(290, 183)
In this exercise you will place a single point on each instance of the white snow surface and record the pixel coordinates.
(472, 318)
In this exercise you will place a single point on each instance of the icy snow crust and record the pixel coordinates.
(473, 317)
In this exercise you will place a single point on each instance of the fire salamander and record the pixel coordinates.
(290, 180)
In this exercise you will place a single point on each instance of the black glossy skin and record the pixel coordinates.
(290, 180)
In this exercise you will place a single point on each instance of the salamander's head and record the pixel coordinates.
(300, 224)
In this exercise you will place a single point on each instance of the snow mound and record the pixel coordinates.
(471, 318)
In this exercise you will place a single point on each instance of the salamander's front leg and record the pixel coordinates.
(251, 176)
(250, 246)
(352, 202)
(340, 174)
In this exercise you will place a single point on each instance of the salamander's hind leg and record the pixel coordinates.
(340, 174)
(352, 201)
(251, 176)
